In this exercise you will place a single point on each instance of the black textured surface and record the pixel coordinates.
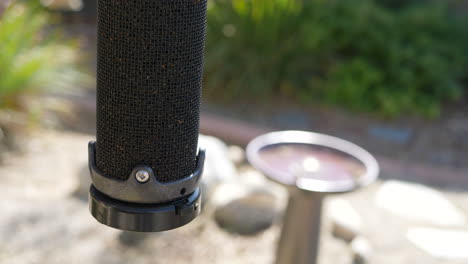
(149, 72)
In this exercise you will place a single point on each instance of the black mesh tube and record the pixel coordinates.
(149, 73)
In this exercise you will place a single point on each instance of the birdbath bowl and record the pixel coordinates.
(311, 166)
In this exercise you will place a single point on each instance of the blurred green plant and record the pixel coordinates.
(33, 56)
(367, 55)
(35, 59)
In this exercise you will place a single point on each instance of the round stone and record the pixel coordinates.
(247, 216)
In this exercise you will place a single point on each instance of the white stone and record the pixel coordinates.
(236, 154)
(418, 203)
(226, 192)
(361, 249)
(440, 243)
(251, 176)
(346, 222)
(258, 183)
(218, 167)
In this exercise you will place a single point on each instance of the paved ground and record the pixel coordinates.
(42, 221)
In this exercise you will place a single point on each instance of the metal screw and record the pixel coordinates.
(142, 176)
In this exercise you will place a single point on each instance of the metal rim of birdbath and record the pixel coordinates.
(313, 139)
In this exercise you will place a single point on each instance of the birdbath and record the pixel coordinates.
(311, 166)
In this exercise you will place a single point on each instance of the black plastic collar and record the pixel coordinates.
(143, 217)
(150, 192)
(144, 207)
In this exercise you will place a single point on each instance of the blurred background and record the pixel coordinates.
(389, 75)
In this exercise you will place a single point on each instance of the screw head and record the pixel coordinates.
(142, 176)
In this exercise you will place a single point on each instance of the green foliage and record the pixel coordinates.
(33, 57)
(378, 56)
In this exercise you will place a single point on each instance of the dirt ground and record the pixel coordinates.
(45, 221)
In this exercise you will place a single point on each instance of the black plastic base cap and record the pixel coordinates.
(144, 217)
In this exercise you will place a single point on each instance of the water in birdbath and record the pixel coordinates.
(292, 160)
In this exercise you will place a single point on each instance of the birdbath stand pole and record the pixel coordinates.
(300, 234)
